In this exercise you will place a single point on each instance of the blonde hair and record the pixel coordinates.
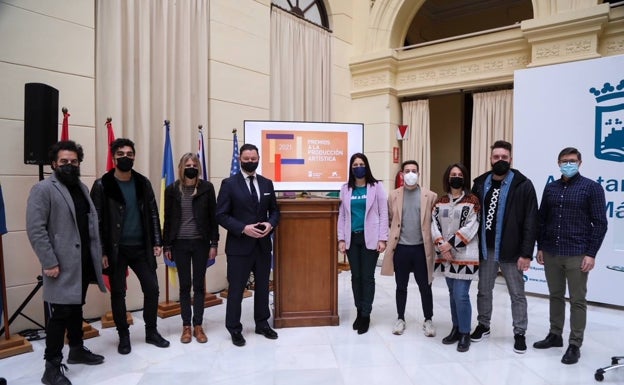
(182, 166)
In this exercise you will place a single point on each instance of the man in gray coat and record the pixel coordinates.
(62, 226)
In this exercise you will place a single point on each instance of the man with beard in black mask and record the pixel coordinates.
(131, 237)
(61, 223)
(507, 234)
(247, 209)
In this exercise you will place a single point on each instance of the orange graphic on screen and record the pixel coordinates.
(315, 156)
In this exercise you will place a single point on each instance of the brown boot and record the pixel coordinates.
(199, 334)
(186, 335)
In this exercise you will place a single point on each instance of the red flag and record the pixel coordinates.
(111, 138)
(65, 130)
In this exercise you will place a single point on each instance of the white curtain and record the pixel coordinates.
(300, 69)
(492, 120)
(151, 65)
(417, 145)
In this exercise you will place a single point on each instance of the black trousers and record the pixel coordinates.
(238, 269)
(412, 259)
(64, 317)
(133, 257)
(191, 255)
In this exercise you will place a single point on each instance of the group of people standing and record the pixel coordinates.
(464, 235)
(473, 234)
(79, 235)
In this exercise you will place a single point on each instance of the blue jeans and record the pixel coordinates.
(461, 309)
(362, 262)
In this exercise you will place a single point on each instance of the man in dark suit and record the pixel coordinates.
(247, 209)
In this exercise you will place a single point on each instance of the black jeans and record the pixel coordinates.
(64, 317)
(193, 253)
(412, 259)
(363, 262)
(135, 258)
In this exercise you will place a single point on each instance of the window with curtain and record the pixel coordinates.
(300, 65)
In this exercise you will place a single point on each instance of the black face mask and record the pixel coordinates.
(501, 167)
(68, 174)
(249, 166)
(125, 164)
(456, 182)
(191, 172)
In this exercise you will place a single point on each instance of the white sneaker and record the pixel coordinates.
(429, 329)
(399, 327)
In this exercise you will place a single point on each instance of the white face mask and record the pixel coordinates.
(410, 178)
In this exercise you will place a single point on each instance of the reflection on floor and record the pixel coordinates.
(338, 355)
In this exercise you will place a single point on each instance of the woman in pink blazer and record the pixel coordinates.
(362, 233)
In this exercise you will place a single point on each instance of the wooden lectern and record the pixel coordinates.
(305, 269)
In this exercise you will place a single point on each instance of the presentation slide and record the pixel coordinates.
(580, 105)
(305, 156)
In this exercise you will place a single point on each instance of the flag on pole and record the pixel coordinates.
(235, 166)
(109, 166)
(167, 178)
(202, 160)
(3, 230)
(111, 139)
(65, 127)
(201, 154)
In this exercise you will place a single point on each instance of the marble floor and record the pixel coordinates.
(338, 355)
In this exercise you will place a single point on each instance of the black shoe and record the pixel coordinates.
(519, 344)
(452, 337)
(82, 355)
(358, 319)
(464, 343)
(364, 324)
(124, 346)
(154, 338)
(54, 373)
(267, 332)
(238, 339)
(551, 341)
(480, 333)
(571, 355)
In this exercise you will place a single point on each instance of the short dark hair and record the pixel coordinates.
(445, 178)
(67, 145)
(248, 147)
(501, 144)
(568, 151)
(119, 143)
(411, 161)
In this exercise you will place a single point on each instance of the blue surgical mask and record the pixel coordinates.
(359, 172)
(569, 169)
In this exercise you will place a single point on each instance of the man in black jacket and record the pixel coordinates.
(130, 234)
(507, 235)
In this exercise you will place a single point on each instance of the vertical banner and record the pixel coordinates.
(578, 105)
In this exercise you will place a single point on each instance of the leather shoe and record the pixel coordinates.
(551, 341)
(124, 346)
(238, 339)
(82, 355)
(571, 355)
(154, 338)
(267, 332)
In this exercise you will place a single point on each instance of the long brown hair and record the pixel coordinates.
(182, 166)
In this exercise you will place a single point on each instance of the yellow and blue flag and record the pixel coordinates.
(167, 178)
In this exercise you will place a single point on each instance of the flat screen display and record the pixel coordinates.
(305, 156)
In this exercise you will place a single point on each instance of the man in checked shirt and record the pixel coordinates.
(573, 223)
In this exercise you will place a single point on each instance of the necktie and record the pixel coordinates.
(254, 193)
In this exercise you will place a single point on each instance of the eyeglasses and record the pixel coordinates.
(73, 162)
(568, 162)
